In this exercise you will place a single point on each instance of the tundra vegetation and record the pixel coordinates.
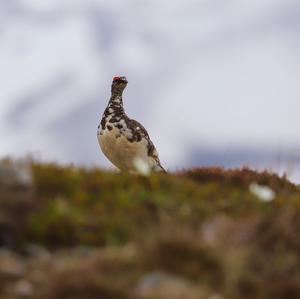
(69, 232)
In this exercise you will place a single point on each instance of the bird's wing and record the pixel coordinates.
(139, 132)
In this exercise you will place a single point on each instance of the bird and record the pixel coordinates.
(124, 141)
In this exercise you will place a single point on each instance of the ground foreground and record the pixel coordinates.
(71, 233)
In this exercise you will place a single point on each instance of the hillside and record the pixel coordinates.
(69, 232)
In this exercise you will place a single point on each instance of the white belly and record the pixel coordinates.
(121, 152)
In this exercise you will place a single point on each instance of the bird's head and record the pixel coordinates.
(118, 84)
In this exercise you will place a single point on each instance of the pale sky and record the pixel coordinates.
(205, 75)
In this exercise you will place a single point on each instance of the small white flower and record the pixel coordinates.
(141, 166)
(264, 193)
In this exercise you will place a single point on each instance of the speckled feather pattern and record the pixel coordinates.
(122, 139)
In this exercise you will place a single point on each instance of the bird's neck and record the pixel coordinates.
(115, 103)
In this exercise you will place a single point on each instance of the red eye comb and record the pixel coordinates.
(116, 78)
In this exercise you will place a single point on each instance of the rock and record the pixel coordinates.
(14, 175)
(158, 285)
(36, 252)
(23, 288)
(11, 266)
(16, 194)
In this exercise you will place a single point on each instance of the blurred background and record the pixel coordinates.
(214, 82)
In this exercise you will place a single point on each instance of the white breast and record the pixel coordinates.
(121, 152)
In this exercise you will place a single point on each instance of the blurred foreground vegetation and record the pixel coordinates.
(76, 233)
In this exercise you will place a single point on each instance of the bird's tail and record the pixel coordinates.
(159, 168)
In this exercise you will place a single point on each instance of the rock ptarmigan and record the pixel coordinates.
(124, 141)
